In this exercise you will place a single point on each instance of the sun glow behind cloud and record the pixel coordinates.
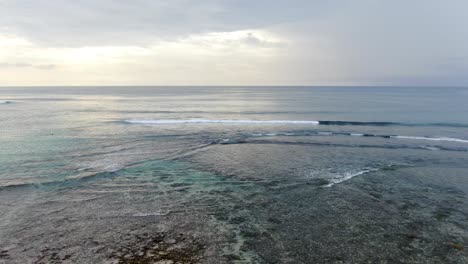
(221, 42)
(217, 53)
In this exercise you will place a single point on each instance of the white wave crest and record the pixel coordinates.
(347, 176)
(220, 121)
(5, 102)
(158, 213)
(433, 138)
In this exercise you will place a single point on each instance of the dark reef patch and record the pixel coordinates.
(160, 248)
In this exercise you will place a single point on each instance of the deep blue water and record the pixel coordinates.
(234, 174)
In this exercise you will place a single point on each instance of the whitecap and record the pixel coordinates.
(158, 213)
(346, 176)
(256, 134)
(433, 138)
(430, 148)
(220, 121)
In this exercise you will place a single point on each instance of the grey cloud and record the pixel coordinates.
(361, 41)
(253, 40)
(104, 22)
(453, 64)
(390, 42)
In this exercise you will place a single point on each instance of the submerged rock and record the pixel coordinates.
(159, 248)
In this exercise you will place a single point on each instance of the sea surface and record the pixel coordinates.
(233, 175)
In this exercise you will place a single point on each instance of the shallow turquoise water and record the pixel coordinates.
(234, 174)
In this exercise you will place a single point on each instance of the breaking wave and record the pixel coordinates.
(219, 121)
(305, 122)
(327, 133)
(433, 138)
(66, 182)
(346, 176)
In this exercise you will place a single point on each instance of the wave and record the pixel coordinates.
(372, 123)
(158, 213)
(347, 176)
(304, 122)
(357, 123)
(219, 121)
(5, 102)
(238, 141)
(195, 112)
(327, 133)
(433, 138)
(65, 182)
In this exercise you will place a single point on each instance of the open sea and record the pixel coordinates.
(233, 175)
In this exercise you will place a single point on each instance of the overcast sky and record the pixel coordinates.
(228, 42)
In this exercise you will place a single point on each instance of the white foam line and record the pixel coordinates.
(159, 213)
(433, 139)
(221, 121)
(360, 135)
(347, 176)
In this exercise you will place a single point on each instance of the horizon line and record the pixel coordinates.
(213, 86)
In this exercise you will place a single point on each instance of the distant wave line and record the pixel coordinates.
(320, 133)
(304, 122)
(433, 138)
(220, 121)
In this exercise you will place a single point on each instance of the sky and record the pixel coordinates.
(234, 42)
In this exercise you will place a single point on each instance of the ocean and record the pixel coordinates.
(233, 175)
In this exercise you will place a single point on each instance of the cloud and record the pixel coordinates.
(254, 39)
(118, 22)
(28, 65)
(300, 42)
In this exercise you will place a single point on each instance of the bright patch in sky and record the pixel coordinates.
(226, 43)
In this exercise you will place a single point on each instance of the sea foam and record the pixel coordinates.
(328, 133)
(303, 122)
(433, 138)
(219, 121)
(347, 176)
(313, 122)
